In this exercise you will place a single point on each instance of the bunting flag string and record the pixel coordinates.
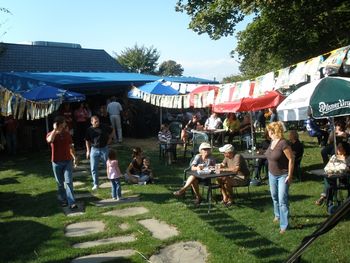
(16, 105)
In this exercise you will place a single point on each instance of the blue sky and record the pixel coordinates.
(114, 25)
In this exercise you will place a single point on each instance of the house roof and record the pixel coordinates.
(48, 58)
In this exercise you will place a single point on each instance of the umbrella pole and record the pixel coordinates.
(161, 117)
(252, 130)
(334, 137)
(47, 124)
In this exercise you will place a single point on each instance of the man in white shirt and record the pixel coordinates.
(114, 108)
(213, 122)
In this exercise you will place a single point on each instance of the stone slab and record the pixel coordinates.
(182, 252)
(130, 211)
(111, 202)
(76, 212)
(120, 239)
(159, 230)
(84, 161)
(83, 195)
(105, 185)
(124, 226)
(81, 174)
(84, 228)
(105, 257)
(78, 183)
(80, 168)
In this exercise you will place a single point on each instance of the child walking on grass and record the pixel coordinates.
(114, 174)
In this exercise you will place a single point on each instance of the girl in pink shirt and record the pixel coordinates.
(114, 174)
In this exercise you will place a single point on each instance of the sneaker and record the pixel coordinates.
(64, 203)
(73, 207)
(275, 220)
(95, 187)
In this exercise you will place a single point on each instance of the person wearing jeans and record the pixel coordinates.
(280, 159)
(63, 175)
(98, 136)
(97, 154)
(62, 154)
(279, 193)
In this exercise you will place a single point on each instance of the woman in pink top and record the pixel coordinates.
(114, 174)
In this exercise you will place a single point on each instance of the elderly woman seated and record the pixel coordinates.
(201, 161)
(233, 162)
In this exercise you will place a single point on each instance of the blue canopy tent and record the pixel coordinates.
(43, 92)
(157, 88)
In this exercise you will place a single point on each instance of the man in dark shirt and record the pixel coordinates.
(97, 138)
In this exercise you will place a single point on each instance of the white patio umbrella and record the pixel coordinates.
(296, 106)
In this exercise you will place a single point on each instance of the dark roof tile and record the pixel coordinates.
(35, 58)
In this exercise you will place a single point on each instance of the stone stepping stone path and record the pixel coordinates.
(78, 183)
(105, 185)
(84, 228)
(105, 257)
(84, 161)
(120, 239)
(83, 195)
(181, 252)
(159, 230)
(81, 174)
(76, 212)
(124, 226)
(81, 167)
(130, 211)
(111, 202)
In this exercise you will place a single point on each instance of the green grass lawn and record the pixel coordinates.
(32, 223)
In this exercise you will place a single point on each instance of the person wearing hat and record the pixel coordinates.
(235, 163)
(200, 161)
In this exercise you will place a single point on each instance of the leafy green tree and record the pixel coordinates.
(170, 68)
(139, 59)
(5, 11)
(282, 32)
(233, 78)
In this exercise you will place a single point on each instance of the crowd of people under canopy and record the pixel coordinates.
(94, 131)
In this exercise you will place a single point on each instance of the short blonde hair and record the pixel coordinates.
(276, 128)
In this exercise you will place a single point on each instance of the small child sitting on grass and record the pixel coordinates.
(147, 170)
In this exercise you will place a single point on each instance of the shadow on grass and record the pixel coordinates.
(242, 235)
(15, 233)
(37, 163)
(28, 205)
(8, 180)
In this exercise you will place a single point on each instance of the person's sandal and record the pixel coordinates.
(178, 193)
(198, 201)
(73, 207)
(320, 201)
(229, 203)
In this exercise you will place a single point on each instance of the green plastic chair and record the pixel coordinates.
(175, 129)
(198, 138)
